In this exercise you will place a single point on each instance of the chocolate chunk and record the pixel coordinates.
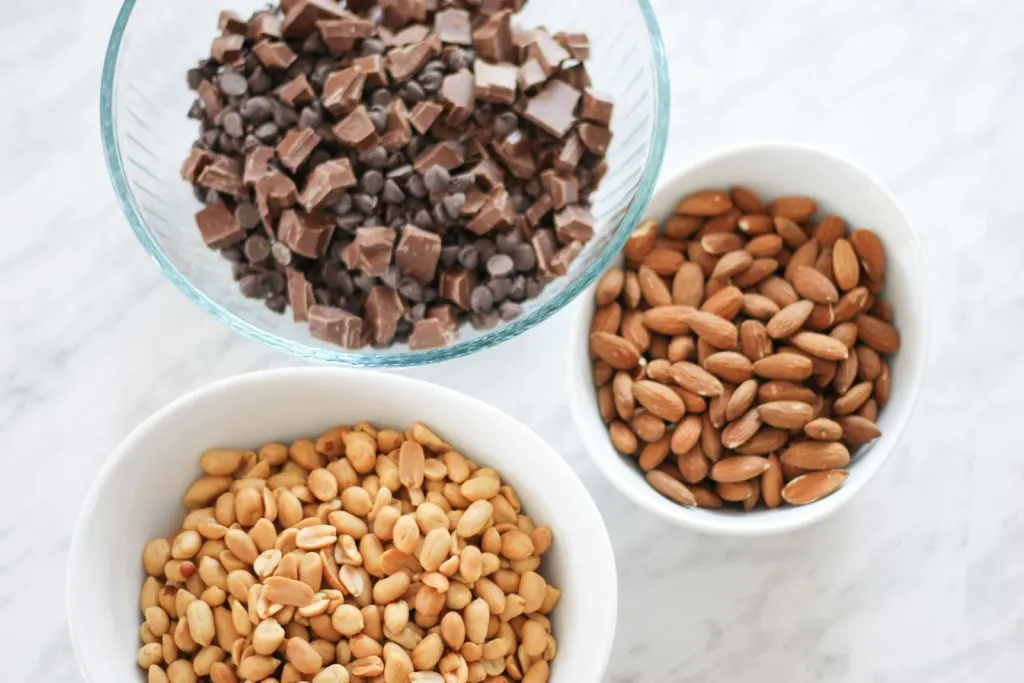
(297, 91)
(544, 245)
(574, 223)
(343, 90)
(575, 75)
(274, 54)
(231, 22)
(218, 227)
(212, 100)
(327, 183)
(305, 233)
(430, 333)
(223, 174)
(595, 138)
(578, 44)
(227, 49)
(454, 26)
(447, 314)
(458, 96)
(565, 256)
(488, 175)
(398, 13)
(340, 35)
(296, 146)
(405, 62)
(265, 25)
(547, 51)
(423, 116)
(301, 19)
(446, 154)
(531, 76)
(569, 155)
(384, 308)
(516, 153)
(397, 131)
(407, 36)
(497, 212)
(274, 191)
(336, 326)
(562, 189)
(357, 130)
(417, 253)
(195, 163)
(455, 286)
(495, 82)
(493, 39)
(371, 250)
(373, 67)
(553, 108)
(597, 107)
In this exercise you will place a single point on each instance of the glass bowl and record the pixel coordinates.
(146, 136)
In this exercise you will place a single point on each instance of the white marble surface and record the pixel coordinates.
(918, 580)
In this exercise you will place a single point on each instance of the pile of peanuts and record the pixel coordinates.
(364, 556)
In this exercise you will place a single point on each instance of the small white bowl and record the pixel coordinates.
(844, 189)
(137, 496)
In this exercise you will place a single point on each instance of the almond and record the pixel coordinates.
(688, 285)
(609, 287)
(686, 434)
(670, 488)
(844, 265)
(707, 203)
(870, 252)
(731, 264)
(813, 486)
(755, 343)
(675, 245)
(767, 440)
(647, 426)
(771, 483)
(725, 303)
(869, 364)
(869, 411)
(820, 345)
(778, 290)
(606, 318)
(824, 263)
(697, 255)
(734, 492)
(745, 200)
(614, 350)
(853, 399)
(822, 317)
(823, 429)
(795, 208)
(755, 495)
(710, 439)
(606, 402)
(693, 402)
(851, 303)
(723, 224)
(816, 455)
(706, 498)
(740, 431)
(759, 306)
(789, 231)
(845, 333)
(631, 290)
(790, 319)
(846, 374)
(812, 285)
(878, 334)
(742, 398)
(857, 430)
(739, 468)
(659, 400)
(635, 330)
(654, 453)
(660, 370)
(784, 391)
(641, 241)
(828, 230)
(882, 386)
(681, 347)
(623, 438)
(682, 227)
(670, 320)
(664, 262)
(622, 394)
(717, 404)
(652, 288)
(729, 365)
(759, 270)
(806, 255)
(719, 243)
(786, 366)
(764, 246)
(882, 310)
(786, 414)
(714, 329)
(696, 379)
(756, 225)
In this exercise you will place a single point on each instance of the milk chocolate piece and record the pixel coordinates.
(301, 19)
(384, 308)
(430, 333)
(493, 39)
(455, 286)
(297, 91)
(265, 25)
(274, 191)
(540, 208)
(373, 68)
(447, 314)
(357, 130)
(336, 326)
(553, 108)
(457, 94)
(218, 226)
(488, 174)
(597, 107)
(547, 51)
(475, 200)
(569, 155)
(575, 75)
(343, 90)
(417, 253)
(398, 13)
(197, 160)
(296, 146)
(213, 101)
(408, 35)
(578, 44)
(563, 189)
(371, 250)
(516, 152)
(340, 35)
(595, 138)
(497, 212)
(300, 295)
(544, 245)
(405, 62)
(574, 223)
(454, 26)
(327, 182)
(565, 256)
(495, 82)
(274, 54)
(231, 22)
(305, 233)
(227, 49)
(398, 131)
(424, 114)
(223, 174)
(257, 163)
(531, 76)
(447, 154)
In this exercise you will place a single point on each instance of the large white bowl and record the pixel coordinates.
(138, 496)
(843, 188)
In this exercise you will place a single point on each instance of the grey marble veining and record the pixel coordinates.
(917, 580)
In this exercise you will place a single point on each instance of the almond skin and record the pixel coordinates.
(795, 208)
(714, 329)
(878, 334)
(670, 320)
(813, 486)
(664, 262)
(729, 365)
(688, 285)
(829, 230)
(731, 264)
(739, 468)
(606, 318)
(766, 440)
(745, 200)
(778, 290)
(845, 267)
(609, 287)
(614, 350)
(755, 343)
(786, 414)
(784, 366)
(816, 455)
(811, 284)
(823, 429)
(853, 399)
(696, 379)
(623, 438)
(764, 246)
(857, 430)
(820, 345)
(789, 231)
(720, 243)
(705, 204)
(790, 319)
(652, 289)
(659, 400)
(741, 400)
(725, 303)
(870, 252)
(670, 488)
(740, 431)
(641, 241)
(687, 434)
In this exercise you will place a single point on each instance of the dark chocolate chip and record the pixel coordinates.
(524, 258)
(485, 248)
(416, 186)
(233, 124)
(364, 282)
(260, 82)
(500, 287)
(429, 294)
(423, 219)
(431, 81)
(411, 289)
(461, 183)
(449, 255)
(453, 204)
(277, 303)
(533, 288)
(392, 193)
(379, 118)
(376, 158)
(371, 46)
(517, 291)
(372, 182)
(468, 257)
(381, 97)
(239, 270)
(364, 203)
(505, 123)
(257, 109)
(253, 286)
(483, 321)
(274, 282)
(257, 248)
(509, 310)
(194, 77)
(266, 132)
(247, 215)
(285, 117)
(481, 299)
(233, 254)
(310, 118)
(436, 179)
(411, 93)
(281, 254)
(233, 84)
(500, 265)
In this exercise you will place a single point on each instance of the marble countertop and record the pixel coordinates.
(917, 580)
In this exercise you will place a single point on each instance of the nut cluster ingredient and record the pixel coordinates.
(365, 555)
(742, 353)
(391, 169)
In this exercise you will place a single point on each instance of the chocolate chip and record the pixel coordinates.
(257, 248)
(233, 84)
(260, 82)
(485, 249)
(509, 310)
(436, 179)
(411, 289)
(392, 193)
(256, 109)
(371, 46)
(310, 118)
(277, 303)
(533, 288)
(233, 254)
(281, 253)
(482, 299)
(274, 282)
(517, 290)
(233, 125)
(266, 132)
(423, 219)
(372, 182)
(194, 77)
(376, 158)
(500, 265)
(453, 204)
(483, 321)
(412, 93)
(253, 287)
(416, 186)
(468, 257)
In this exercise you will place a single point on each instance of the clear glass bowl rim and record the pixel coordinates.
(633, 215)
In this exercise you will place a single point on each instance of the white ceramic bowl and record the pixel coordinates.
(842, 188)
(138, 496)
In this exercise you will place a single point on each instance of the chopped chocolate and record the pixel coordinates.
(578, 44)
(497, 212)
(227, 49)
(373, 67)
(430, 333)
(597, 107)
(305, 233)
(223, 174)
(531, 76)
(384, 308)
(564, 256)
(562, 189)
(547, 51)
(454, 26)
(343, 90)
(327, 182)
(297, 91)
(274, 54)
(274, 191)
(212, 100)
(340, 35)
(575, 75)
(574, 223)
(569, 155)
(553, 108)
(405, 62)
(456, 285)
(398, 13)
(300, 293)
(218, 226)
(516, 152)
(448, 155)
(408, 35)
(197, 160)
(540, 208)
(493, 39)
(296, 146)
(595, 138)
(544, 245)
(457, 94)
(371, 250)
(423, 115)
(265, 25)
(257, 163)
(417, 253)
(447, 314)
(357, 130)
(336, 326)
(488, 175)
(397, 131)
(495, 82)
(301, 19)
(231, 22)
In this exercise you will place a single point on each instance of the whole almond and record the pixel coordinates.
(784, 391)
(741, 400)
(823, 429)
(670, 320)
(759, 306)
(869, 363)
(805, 255)
(878, 334)
(789, 231)
(686, 434)
(778, 290)
(745, 200)
(851, 303)
(869, 411)
(816, 455)
(870, 252)
(882, 310)
(772, 482)
(682, 227)
(622, 394)
(846, 333)
(660, 370)
(790, 319)
(623, 438)
(707, 203)
(813, 486)
(853, 399)
(695, 252)
(755, 495)
(634, 330)
(764, 246)
(824, 263)
(652, 288)
(725, 303)
(740, 431)
(696, 379)
(659, 400)
(614, 350)
(734, 492)
(654, 453)
(693, 466)
(710, 439)
(844, 265)
(607, 318)
(631, 290)
(820, 345)
(714, 329)
(647, 426)
(641, 241)
(739, 468)
(759, 270)
(795, 208)
(688, 285)
(719, 243)
(846, 374)
(682, 347)
(706, 498)
(882, 386)
(785, 366)
(693, 402)
(717, 404)
(755, 225)
(731, 264)
(755, 343)
(609, 287)
(767, 440)
(786, 414)
(670, 488)
(828, 230)
(729, 365)
(602, 372)
(812, 285)
(822, 318)
(606, 402)
(857, 430)
(664, 262)
(664, 242)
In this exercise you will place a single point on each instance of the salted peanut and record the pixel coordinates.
(316, 536)
(361, 451)
(303, 657)
(391, 588)
(406, 534)
(155, 556)
(200, 622)
(205, 490)
(516, 545)
(241, 546)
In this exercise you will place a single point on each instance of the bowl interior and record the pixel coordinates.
(146, 137)
(138, 496)
(841, 188)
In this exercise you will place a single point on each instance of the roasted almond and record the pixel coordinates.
(659, 400)
(820, 345)
(759, 306)
(696, 379)
(790, 319)
(682, 227)
(681, 347)
(741, 400)
(732, 264)
(764, 246)
(622, 394)
(845, 333)
(641, 241)
(772, 482)
(695, 252)
(870, 252)
(767, 440)
(688, 285)
(609, 287)
(707, 203)
(654, 453)
(614, 350)
(786, 414)
(813, 486)
(816, 455)
(853, 399)
(729, 365)
(606, 318)
(784, 391)
(693, 402)
(844, 265)
(824, 263)
(739, 468)
(670, 320)
(805, 255)
(719, 243)
(755, 225)
(686, 434)
(878, 334)
(606, 402)
(760, 269)
(857, 430)
(882, 386)
(647, 426)
(745, 200)
(789, 231)
(822, 318)
(652, 287)
(811, 284)
(631, 294)
(710, 439)
(741, 430)
(664, 262)
(755, 343)
(634, 330)
(869, 363)
(725, 303)
(869, 411)
(670, 488)
(714, 329)
(784, 366)
(851, 303)
(795, 208)
(823, 429)
(734, 492)
(623, 438)
(660, 370)
(778, 290)
(602, 372)
(846, 374)
(828, 230)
